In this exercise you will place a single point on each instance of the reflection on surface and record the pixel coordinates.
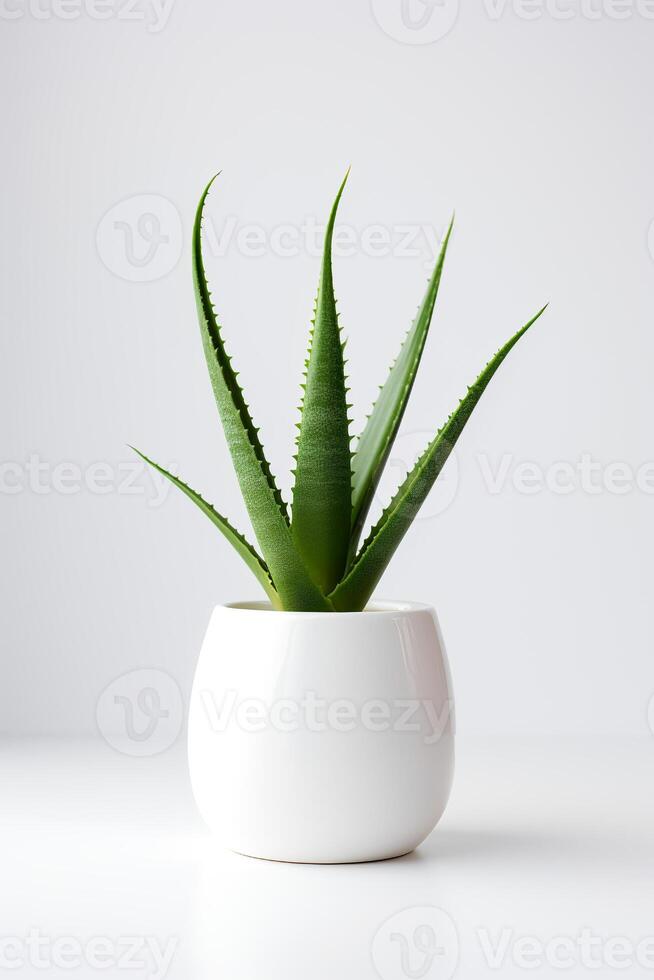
(105, 863)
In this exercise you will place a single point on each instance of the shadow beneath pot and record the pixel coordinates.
(589, 848)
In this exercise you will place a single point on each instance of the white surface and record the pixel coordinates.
(541, 837)
(536, 128)
(289, 756)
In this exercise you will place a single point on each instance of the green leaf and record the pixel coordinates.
(251, 558)
(322, 494)
(368, 567)
(263, 500)
(377, 438)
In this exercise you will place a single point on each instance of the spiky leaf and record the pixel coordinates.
(358, 585)
(262, 498)
(252, 559)
(377, 438)
(322, 495)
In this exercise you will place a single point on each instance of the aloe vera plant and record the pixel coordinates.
(310, 556)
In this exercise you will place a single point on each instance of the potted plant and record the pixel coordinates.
(321, 724)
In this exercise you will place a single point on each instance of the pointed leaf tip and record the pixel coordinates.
(369, 564)
(382, 424)
(322, 493)
(241, 545)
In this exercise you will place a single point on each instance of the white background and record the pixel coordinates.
(538, 131)
(536, 124)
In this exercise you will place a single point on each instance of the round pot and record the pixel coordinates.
(322, 737)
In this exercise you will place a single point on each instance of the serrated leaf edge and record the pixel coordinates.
(405, 487)
(223, 359)
(258, 566)
(359, 514)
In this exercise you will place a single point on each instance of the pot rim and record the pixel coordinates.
(381, 607)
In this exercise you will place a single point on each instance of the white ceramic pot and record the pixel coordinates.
(322, 737)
